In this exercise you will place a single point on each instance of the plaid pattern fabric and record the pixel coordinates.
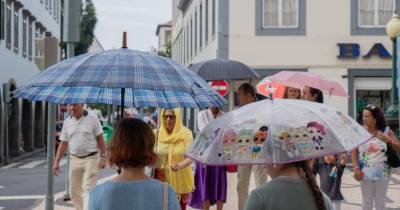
(120, 68)
(149, 80)
(133, 98)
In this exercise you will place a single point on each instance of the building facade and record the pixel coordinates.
(164, 33)
(344, 40)
(21, 23)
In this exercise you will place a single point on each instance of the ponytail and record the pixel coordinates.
(312, 183)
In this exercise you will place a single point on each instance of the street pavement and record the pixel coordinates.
(23, 186)
(23, 183)
(350, 189)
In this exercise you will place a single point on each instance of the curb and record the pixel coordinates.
(23, 156)
(59, 203)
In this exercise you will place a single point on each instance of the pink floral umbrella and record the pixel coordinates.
(302, 79)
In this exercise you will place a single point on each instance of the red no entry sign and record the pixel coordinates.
(221, 86)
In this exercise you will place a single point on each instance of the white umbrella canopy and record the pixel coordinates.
(276, 132)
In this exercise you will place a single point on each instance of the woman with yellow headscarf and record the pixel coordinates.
(173, 139)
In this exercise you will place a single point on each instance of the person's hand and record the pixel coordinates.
(358, 174)
(175, 167)
(381, 136)
(56, 169)
(343, 159)
(102, 163)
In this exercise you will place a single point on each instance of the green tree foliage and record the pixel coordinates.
(88, 25)
(166, 52)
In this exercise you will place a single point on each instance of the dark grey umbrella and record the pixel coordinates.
(222, 69)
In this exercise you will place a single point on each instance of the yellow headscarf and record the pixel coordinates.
(172, 148)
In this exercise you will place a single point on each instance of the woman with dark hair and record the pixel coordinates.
(292, 93)
(370, 160)
(313, 94)
(293, 186)
(131, 149)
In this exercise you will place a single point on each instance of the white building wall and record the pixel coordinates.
(209, 48)
(327, 24)
(15, 66)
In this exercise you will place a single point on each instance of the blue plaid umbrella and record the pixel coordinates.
(121, 77)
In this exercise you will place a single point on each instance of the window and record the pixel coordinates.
(280, 17)
(201, 27)
(206, 27)
(51, 6)
(24, 35)
(214, 25)
(47, 4)
(191, 38)
(55, 9)
(280, 13)
(2, 20)
(182, 46)
(37, 36)
(187, 43)
(30, 40)
(8, 26)
(369, 17)
(195, 32)
(16, 31)
(375, 13)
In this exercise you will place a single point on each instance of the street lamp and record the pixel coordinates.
(393, 31)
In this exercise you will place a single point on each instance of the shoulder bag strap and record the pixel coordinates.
(165, 196)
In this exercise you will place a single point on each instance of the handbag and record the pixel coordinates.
(392, 155)
(159, 173)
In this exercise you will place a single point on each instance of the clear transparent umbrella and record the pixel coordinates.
(277, 131)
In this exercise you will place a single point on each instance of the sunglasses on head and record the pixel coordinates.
(370, 107)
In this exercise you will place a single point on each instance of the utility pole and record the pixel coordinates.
(71, 36)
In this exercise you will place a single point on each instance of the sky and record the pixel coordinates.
(139, 18)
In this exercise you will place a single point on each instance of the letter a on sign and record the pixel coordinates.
(378, 49)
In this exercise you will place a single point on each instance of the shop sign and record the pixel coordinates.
(352, 50)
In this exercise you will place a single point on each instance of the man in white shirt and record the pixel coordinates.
(247, 95)
(83, 134)
(206, 116)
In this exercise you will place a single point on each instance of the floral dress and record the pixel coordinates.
(373, 160)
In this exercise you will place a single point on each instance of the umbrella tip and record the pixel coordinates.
(124, 42)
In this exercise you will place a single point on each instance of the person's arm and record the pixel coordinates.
(102, 148)
(202, 120)
(98, 131)
(357, 170)
(62, 147)
(60, 153)
(391, 139)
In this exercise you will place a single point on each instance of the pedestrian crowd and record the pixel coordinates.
(175, 184)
